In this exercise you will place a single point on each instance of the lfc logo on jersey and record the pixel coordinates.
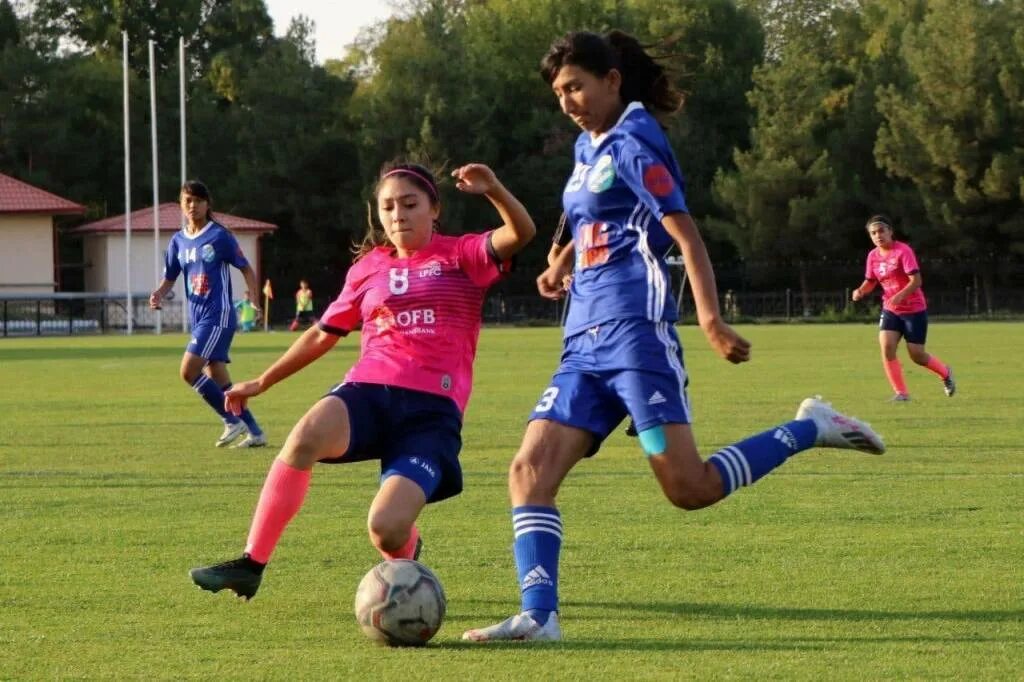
(602, 175)
(207, 253)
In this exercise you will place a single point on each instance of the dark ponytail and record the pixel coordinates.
(644, 79)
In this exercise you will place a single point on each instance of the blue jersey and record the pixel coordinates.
(624, 183)
(205, 259)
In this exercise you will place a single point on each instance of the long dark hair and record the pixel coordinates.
(199, 189)
(420, 176)
(644, 79)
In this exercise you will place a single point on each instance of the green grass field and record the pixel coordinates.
(838, 565)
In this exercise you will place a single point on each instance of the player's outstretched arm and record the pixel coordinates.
(313, 344)
(723, 339)
(517, 229)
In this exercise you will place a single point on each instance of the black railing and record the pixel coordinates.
(97, 313)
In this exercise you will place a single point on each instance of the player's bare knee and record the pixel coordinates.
(386, 534)
(526, 477)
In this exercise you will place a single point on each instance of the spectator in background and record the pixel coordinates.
(303, 306)
(246, 312)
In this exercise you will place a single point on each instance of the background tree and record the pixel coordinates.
(954, 130)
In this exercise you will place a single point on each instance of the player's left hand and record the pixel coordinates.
(552, 285)
(237, 397)
(475, 178)
(727, 343)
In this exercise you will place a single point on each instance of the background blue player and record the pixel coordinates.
(621, 356)
(204, 250)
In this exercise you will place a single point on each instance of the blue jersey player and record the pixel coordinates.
(204, 251)
(626, 207)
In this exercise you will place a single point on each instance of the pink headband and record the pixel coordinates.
(409, 171)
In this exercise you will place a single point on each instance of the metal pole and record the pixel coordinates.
(181, 108)
(156, 178)
(127, 194)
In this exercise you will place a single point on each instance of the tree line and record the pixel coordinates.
(802, 118)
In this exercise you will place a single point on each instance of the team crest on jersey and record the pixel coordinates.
(602, 175)
(199, 285)
(208, 253)
(658, 181)
(579, 174)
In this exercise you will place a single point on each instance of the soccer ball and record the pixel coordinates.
(400, 603)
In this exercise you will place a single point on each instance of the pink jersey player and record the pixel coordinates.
(894, 268)
(420, 316)
(904, 309)
(417, 295)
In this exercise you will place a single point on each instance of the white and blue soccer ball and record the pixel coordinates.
(400, 603)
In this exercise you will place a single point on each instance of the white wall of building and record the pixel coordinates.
(26, 254)
(105, 262)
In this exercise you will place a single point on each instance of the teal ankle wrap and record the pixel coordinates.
(652, 440)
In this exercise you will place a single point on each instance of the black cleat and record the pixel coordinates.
(242, 576)
(948, 385)
(631, 429)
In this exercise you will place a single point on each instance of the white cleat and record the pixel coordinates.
(231, 432)
(518, 628)
(252, 441)
(836, 430)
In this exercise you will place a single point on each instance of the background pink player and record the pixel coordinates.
(418, 295)
(904, 309)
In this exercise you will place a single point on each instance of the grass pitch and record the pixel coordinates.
(837, 565)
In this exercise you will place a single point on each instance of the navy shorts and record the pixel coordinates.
(913, 327)
(414, 434)
(211, 341)
(626, 367)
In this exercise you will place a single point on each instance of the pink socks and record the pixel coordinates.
(935, 365)
(408, 549)
(283, 494)
(894, 371)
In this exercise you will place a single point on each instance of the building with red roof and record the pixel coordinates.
(28, 239)
(104, 248)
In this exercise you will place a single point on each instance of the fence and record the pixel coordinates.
(71, 313)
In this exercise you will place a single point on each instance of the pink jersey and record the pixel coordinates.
(892, 269)
(420, 315)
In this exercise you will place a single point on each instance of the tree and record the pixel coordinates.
(954, 130)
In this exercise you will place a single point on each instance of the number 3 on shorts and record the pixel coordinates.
(547, 399)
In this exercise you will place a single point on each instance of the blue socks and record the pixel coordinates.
(246, 416)
(749, 460)
(538, 541)
(214, 397)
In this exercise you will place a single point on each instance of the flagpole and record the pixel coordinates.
(156, 178)
(127, 192)
(267, 295)
(181, 108)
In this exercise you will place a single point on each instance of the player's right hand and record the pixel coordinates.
(154, 300)
(856, 295)
(236, 397)
(727, 343)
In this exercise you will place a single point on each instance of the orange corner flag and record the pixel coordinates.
(267, 291)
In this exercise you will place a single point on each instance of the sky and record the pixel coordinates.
(337, 21)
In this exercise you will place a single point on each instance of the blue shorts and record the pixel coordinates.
(211, 341)
(626, 367)
(414, 434)
(913, 327)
